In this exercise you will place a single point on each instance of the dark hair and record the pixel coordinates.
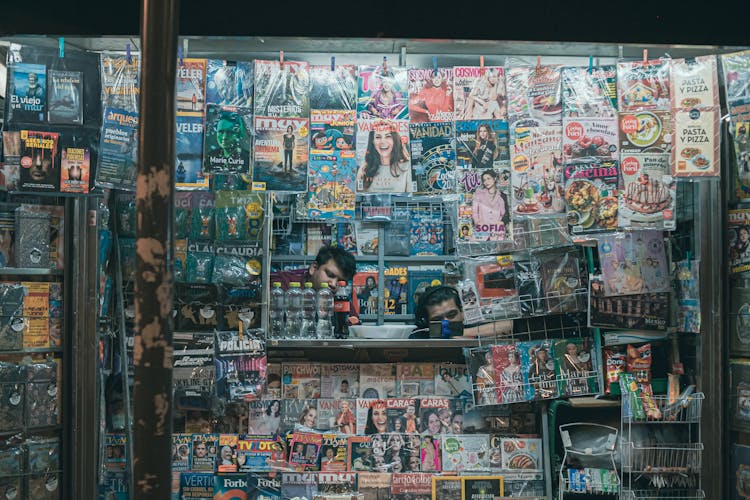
(491, 172)
(432, 296)
(343, 259)
(372, 157)
(490, 138)
(269, 410)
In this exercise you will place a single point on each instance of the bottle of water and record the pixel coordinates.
(309, 299)
(325, 310)
(277, 305)
(293, 311)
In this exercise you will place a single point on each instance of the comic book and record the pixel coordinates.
(510, 387)
(227, 145)
(409, 485)
(374, 485)
(465, 452)
(299, 485)
(337, 415)
(577, 367)
(40, 161)
(522, 453)
(27, 86)
(189, 153)
(383, 156)
(240, 363)
(590, 92)
(333, 453)
(634, 262)
(366, 237)
(420, 278)
(191, 87)
(365, 289)
(452, 379)
(332, 129)
(643, 85)
(121, 81)
(695, 83)
(377, 380)
(259, 452)
(360, 454)
(433, 157)
(415, 379)
(696, 151)
(282, 89)
(739, 240)
(75, 169)
(482, 373)
(300, 380)
(226, 461)
(479, 93)
(205, 452)
(646, 311)
(264, 416)
(534, 96)
(382, 92)
(264, 486)
(591, 189)
(339, 380)
(229, 83)
(232, 486)
(536, 173)
(395, 293)
(646, 132)
(736, 68)
(561, 279)
(739, 321)
(538, 366)
(430, 95)
(333, 87)
(181, 451)
(426, 230)
(65, 97)
(304, 449)
(196, 486)
(331, 185)
(118, 150)
(590, 137)
(648, 196)
(402, 415)
(280, 153)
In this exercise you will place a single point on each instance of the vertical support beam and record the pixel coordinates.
(152, 396)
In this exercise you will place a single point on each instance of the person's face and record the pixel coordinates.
(433, 423)
(386, 84)
(327, 273)
(542, 355)
(396, 442)
(379, 419)
(345, 387)
(488, 181)
(200, 450)
(465, 230)
(492, 77)
(437, 80)
(445, 417)
(275, 406)
(410, 410)
(289, 129)
(446, 309)
(744, 234)
(414, 440)
(370, 281)
(397, 466)
(226, 453)
(39, 168)
(397, 424)
(512, 357)
(345, 405)
(571, 348)
(414, 463)
(341, 143)
(483, 134)
(329, 453)
(383, 142)
(226, 134)
(309, 419)
(488, 357)
(458, 424)
(32, 79)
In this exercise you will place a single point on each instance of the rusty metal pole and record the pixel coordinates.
(152, 391)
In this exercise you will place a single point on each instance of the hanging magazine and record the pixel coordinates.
(282, 89)
(534, 96)
(227, 145)
(696, 150)
(333, 87)
(479, 93)
(121, 81)
(332, 129)
(240, 362)
(189, 153)
(280, 153)
(648, 196)
(431, 95)
(27, 92)
(643, 85)
(695, 83)
(65, 97)
(40, 161)
(191, 87)
(536, 172)
(589, 92)
(739, 240)
(633, 262)
(229, 83)
(433, 157)
(383, 92)
(330, 185)
(383, 156)
(736, 68)
(118, 150)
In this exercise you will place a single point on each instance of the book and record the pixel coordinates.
(396, 286)
(118, 149)
(339, 380)
(382, 92)
(591, 189)
(226, 461)
(304, 449)
(337, 483)
(377, 381)
(264, 416)
(452, 379)
(232, 486)
(465, 452)
(360, 454)
(240, 363)
(510, 387)
(337, 415)
(300, 380)
(522, 453)
(538, 366)
(40, 161)
(643, 85)
(635, 262)
(646, 132)
(196, 485)
(282, 88)
(65, 97)
(537, 172)
(205, 452)
(383, 156)
(280, 153)
(411, 485)
(402, 415)
(331, 185)
(333, 87)
(75, 169)
(300, 485)
(426, 230)
(189, 153)
(415, 379)
(190, 88)
(589, 91)
(374, 485)
(420, 278)
(227, 140)
(259, 452)
(27, 86)
(264, 486)
(332, 129)
(534, 96)
(433, 157)
(446, 488)
(696, 151)
(366, 237)
(181, 451)
(479, 93)
(333, 453)
(481, 487)
(430, 95)
(648, 197)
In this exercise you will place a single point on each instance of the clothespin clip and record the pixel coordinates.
(333, 63)
(241, 329)
(180, 60)
(61, 47)
(434, 65)
(281, 56)
(645, 56)
(385, 65)
(538, 63)
(591, 64)
(128, 55)
(481, 65)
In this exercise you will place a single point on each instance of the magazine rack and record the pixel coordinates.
(595, 458)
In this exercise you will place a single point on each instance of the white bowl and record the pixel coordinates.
(381, 331)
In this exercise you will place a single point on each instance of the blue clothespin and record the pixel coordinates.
(333, 63)
(434, 65)
(128, 56)
(61, 47)
(179, 56)
(591, 64)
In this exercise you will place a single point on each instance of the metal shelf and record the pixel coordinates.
(422, 258)
(32, 350)
(369, 343)
(310, 258)
(30, 271)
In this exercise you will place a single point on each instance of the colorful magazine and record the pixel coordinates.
(227, 147)
(336, 483)
(360, 454)
(482, 372)
(374, 485)
(415, 379)
(452, 380)
(648, 196)
(577, 370)
(739, 321)
(436, 416)
(65, 97)
(643, 85)
(195, 486)
(695, 83)
(332, 129)
(301, 380)
(411, 485)
(240, 366)
(538, 365)
(366, 237)
(189, 153)
(431, 95)
(337, 415)
(383, 92)
(481, 144)
(420, 278)
(736, 68)
(480, 487)
(330, 185)
(264, 416)
(511, 387)
(259, 452)
(634, 262)
(648, 311)
(522, 453)
(741, 140)
(264, 486)
(479, 93)
(27, 87)
(298, 412)
(739, 390)
(402, 415)
(181, 451)
(299, 485)
(229, 83)
(333, 453)
(534, 96)
(75, 169)
(280, 153)
(121, 80)
(333, 87)
(339, 380)
(465, 452)
(696, 151)
(205, 452)
(433, 156)
(561, 279)
(191, 87)
(536, 172)
(591, 188)
(740, 472)
(426, 230)
(232, 486)
(739, 240)
(590, 137)
(304, 449)
(40, 161)
(383, 156)
(118, 149)
(589, 92)
(282, 89)
(646, 132)
(395, 295)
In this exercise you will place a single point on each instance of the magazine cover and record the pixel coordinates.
(401, 414)
(646, 132)
(740, 472)
(481, 487)
(561, 279)
(336, 483)
(382, 92)
(648, 197)
(452, 380)
(383, 156)
(232, 486)
(741, 140)
(332, 129)
(430, 95)
(264, 486)
(479, 93)
(333, 86)
(330, 185)
(634, 262)
(511, 387)
(643, 85)
(229, 83)
(300, 380)
(75, 169)
(205, 452)
(736, 68)
(415, 379)
(739, 321)
(396, 285)
(280, 153)
(739, 240)
(9, 171)
(374, 485)
(300, 485)
(264, 416)
(406, 486)
(534, 96)
(273, 385)
(282, 89)
(590, 137)
(121, 80)
(27, 87)
(433, 157)
(40, 161)
(739, 394)
(118, 150)
(360, 454)
(436, 416)
(482, 144)
(65, 93)
(577, 369)
(240, 366)
(591, 188)
(227, 146)
(446, 487)
(695, 83)
(377, 380)
(589, 91)
(522, 453)
(346, 236)
(333, 453)
(426, 230)
(420, 278)
(337, 415)
(465, 452)
(537, 172)
(696, 151)
(304, 448)
(196, 485)
(181, 451)
(189, 153)
(482, 373)
(295, 412)
(648, 311)
(191, 87)
(366, 237)
(538, 365)
(259, 452)
(339, 380)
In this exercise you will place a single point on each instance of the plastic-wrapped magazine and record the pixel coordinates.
(479, 93)
(264, 416)
(741, 140)
(383, 156)
(510, 387)
(446, 487)
(229, 83)
(75, 169)
(479, 487)
(196, 485)
(739, 321)
(452, 379)
(205, 452)
(577, 369)
(330, 185)
(227, 146)
(561, 279)
(740, 471)
(538, 367)
(337, 483)
(643, 85)
(375, 485)
(695, 83)
(333, 87)
(189, 153)
(736, 68)
(304, 449)
(415, 379)
(259, 452)
(240, 362)
(646, 132)
(280, 153)
(522, 453)
(591, 188)
(696, 151)
(589, 91)
(482, 372)
(65, 97)
(332, 129)
(634, 262)
(366, 237)
(534, 96)
(383, 92)
(431, 95)
(465, 452)
(590, 137)
(649, 193)
(282, 88)
(377, 380)
(529, 286)
(191, 87)
(739, 240)
(426, 231)
(118, 149)
(300, 485)
(420, 278)
(301, 380)
(495, 283)
(264, 486)
(121, 80)
(433, 156)
(537, 172)
(648, 311)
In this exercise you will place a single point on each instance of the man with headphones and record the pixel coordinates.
(438, 303)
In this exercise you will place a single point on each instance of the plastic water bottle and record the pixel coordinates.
(309, 301)
(276, 311)
(325, 310)
(293, 311)
(341, 310)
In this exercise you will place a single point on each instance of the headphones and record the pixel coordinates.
(420, 314)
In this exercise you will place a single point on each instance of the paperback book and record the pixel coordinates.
(27, 87)
(40, 161)
(65, 92)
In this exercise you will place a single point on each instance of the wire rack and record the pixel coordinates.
(687, 410)
(663, 495)
(682, 458)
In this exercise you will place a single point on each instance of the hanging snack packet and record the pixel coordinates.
(639, 363)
